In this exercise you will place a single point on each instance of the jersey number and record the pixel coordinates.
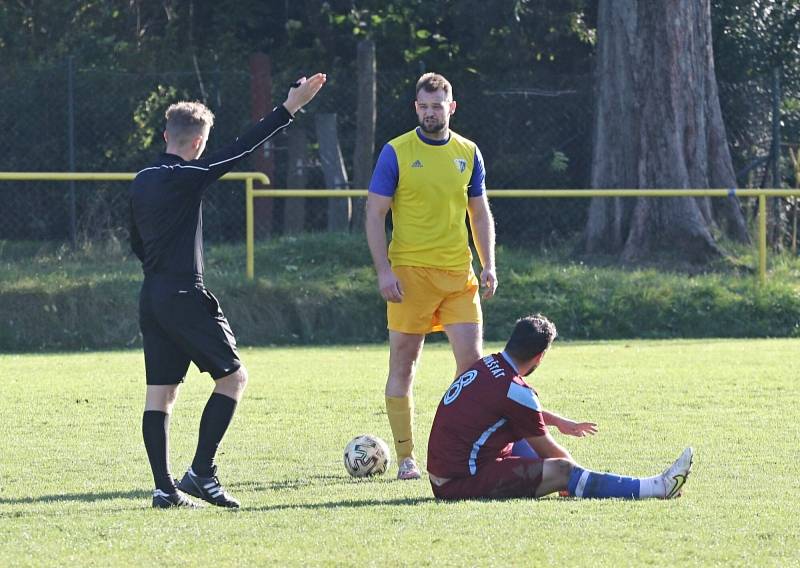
(455, 389)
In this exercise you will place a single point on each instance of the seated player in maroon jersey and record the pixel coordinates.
(490, 407)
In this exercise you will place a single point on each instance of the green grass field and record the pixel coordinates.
(75, 484)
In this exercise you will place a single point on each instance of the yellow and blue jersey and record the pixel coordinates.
(430, 182)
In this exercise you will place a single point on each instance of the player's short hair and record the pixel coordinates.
(432, 82)
(186, 120)
(532, 335)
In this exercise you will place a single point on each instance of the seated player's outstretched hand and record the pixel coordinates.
(303, 91)
(577, 429)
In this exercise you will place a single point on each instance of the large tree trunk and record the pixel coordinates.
(658, 124)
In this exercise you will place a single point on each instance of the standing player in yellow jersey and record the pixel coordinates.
(431, 178)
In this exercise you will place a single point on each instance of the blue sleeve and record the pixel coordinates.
(386, 175)
(477, 183)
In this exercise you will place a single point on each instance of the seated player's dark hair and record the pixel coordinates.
(532, 335)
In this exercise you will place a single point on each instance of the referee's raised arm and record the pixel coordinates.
(220, 162)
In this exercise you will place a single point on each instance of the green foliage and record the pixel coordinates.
(752, 39)
(149, 116)
(320, 289)
(76, 484)
(594, 302)
(560, 161)
(754, 36)
(141, 36)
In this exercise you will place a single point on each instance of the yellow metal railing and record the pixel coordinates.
(247, 177)
(251, 193)
(762, 195)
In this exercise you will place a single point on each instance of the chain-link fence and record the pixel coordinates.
(532, 136)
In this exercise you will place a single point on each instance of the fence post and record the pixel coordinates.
(774, 236)
(330, 155)
(73, 216)
(366, 116)
(294, 210)
(776, 127)
(762, 239)
(250, 238)
(263, 159)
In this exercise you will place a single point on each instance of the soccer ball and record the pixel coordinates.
(366, 455)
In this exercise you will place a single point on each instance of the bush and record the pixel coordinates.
(319, 289)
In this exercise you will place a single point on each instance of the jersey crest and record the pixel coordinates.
(461, 164)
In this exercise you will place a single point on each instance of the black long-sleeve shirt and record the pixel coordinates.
(166, 202)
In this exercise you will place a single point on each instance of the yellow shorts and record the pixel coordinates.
(433, 298)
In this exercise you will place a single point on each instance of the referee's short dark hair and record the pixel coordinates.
(532, 335)
(186, 120)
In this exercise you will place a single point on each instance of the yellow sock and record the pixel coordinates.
(400, 410)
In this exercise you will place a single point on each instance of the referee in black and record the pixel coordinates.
(180, 319)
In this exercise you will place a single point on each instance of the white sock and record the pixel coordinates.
(650, 487)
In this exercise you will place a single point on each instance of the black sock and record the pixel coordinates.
(155, 430)
(217, 416)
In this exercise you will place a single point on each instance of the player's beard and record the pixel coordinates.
(532, 369)
(432, 126)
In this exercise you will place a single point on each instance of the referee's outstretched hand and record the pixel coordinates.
(303, 91)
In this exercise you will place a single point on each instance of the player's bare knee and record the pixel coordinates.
(170, 396)
(240, 377)
(403, 360)
(232, 385)
(558, 470)
(161, 397)
(563, 468)
(401, 371)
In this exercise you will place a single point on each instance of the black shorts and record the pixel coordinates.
(183, 323)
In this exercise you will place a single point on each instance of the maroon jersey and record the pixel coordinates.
(481, 415)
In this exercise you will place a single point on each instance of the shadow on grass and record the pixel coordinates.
(83, 497)
(300, 483)
(345, 504)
